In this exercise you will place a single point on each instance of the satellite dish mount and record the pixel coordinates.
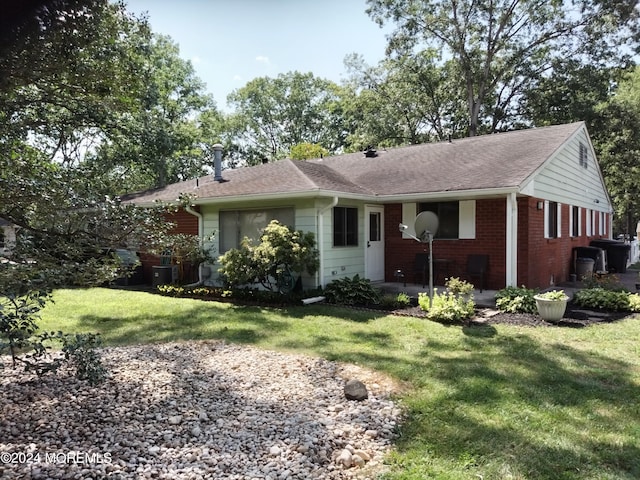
(425, 226)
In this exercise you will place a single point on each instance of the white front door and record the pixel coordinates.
(374, 246)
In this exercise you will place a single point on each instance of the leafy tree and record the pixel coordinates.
(281, 252)
(306, 150)
(168, 134)
(55, 103)
(404, 100)
(618, 148)
(570, 92)
(53, 87)
(500, 47)
(274, 114)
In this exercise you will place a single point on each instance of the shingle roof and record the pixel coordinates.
(498, 161)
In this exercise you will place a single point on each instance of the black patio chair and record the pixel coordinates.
(477, 267)
(421, 268)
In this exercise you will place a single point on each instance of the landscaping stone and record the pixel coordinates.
(197, 410)
(355, 390)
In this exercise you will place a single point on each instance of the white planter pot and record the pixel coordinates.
(551, 310)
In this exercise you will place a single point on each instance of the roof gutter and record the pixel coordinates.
(395, 198)
(449, 195)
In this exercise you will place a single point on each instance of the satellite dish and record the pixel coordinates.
(426, 222)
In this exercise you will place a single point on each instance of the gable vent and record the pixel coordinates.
(584, 156)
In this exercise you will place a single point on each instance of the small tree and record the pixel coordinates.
(183, 249)
(271, 263)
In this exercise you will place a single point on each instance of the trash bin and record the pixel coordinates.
(584, 267)
(162, 275)
(617, 253)
(594, 253)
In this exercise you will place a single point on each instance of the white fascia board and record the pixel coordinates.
(449, 195)
(399, 198)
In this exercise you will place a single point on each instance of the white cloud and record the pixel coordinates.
(263, 59)
(237, 78)
(196, 60)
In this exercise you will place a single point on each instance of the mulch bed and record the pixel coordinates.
(575, 316)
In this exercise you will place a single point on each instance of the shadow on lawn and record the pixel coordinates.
(496, 406)
(508, 406)
(543, 411)
(202, 321)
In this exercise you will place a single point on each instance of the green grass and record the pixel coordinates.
(493, 402)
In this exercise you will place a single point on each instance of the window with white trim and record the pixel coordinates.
(601, 224)
(575, 221)
(448, 218)
(591, 222)
(345, 227)
(551, 219)
(237, 224)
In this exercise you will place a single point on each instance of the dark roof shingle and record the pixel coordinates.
(498, 161)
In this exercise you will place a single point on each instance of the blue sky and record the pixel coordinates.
(230, 42)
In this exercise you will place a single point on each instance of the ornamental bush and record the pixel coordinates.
(280, 253)
(454, 305)
(352, 291)
(516, 300)
(611, 300)
(19, 315)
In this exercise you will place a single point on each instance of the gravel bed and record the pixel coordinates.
(194, 411)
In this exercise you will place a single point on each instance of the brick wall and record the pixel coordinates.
(540, 260)
(549, 260)
(490, 240)
(184, 223)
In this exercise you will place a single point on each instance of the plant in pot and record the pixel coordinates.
(551, 305)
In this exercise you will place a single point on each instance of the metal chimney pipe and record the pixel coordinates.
(217, 162)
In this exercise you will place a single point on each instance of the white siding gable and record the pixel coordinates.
(571, 176)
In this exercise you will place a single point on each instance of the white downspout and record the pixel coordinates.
(197, 214)
(512, 241)
(321, 213)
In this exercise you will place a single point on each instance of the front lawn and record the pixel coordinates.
(485, 402)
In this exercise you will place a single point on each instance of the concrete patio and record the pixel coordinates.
(486, 298)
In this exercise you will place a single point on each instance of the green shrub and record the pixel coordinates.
(555, 295)
(81, 351)
(447, 307)
(393, 302)
(403, 300)
(241, 295)
(352, 291)
(606, 282)
(516, 300)
(634, 302)
(455, 305)
(605, 299)
(281, 253)
(459, 287)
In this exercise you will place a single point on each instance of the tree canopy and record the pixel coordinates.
(500, 48)
(56, 107)
(271, 115)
